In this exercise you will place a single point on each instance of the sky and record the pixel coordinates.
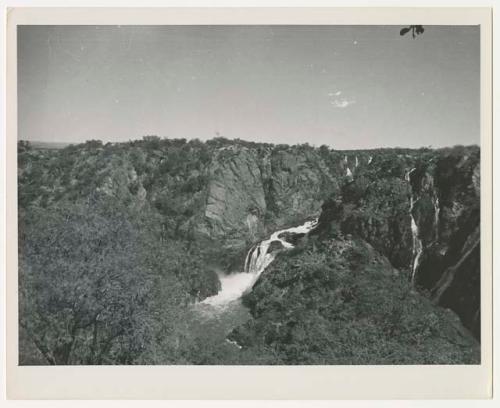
(349, 87)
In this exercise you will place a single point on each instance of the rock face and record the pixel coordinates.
(225, 196)
(297, 184)
(275, 246)
(447, 214)
(444, 190)
(251, 192)
(235, 197)
(381, 218)
(291, 237)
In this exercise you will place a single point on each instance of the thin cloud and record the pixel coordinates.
(338, 93)
(342, 103)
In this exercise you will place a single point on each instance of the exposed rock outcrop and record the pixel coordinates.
(447, 213)
(235, 194)
(224, 196)
(442, 192)
(291, 237)
(251, 192)
(297, 183)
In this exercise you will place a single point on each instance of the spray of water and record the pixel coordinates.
(258, 258)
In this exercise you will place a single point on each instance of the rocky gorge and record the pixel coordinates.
(398, 230)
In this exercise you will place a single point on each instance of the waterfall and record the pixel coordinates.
(417, 242)
(348, 172)
(436, 217)
(357, 162)
(345, 159)
(258, 258)
(408, 173)
(370, 159)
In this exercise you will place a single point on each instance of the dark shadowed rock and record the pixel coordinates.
(444, 187)
(447, 212)
(275, 246)
(291, 237)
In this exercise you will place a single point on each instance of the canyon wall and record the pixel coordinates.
(225, 196)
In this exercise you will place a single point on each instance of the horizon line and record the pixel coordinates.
(431, 147)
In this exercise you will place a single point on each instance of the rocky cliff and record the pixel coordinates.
(250, 193)
(446, 192)
(418, 208)
(232, 193)
(423, 213)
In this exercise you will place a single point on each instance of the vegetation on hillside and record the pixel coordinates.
(337, 301)
(111, 264)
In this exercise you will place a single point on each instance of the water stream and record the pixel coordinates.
(234, 285)
(436, 217)
(417, 242)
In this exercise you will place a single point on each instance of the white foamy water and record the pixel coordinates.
(235, 285)
(436, 217)
(417, 247)
(417, 242)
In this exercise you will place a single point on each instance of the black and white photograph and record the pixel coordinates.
(275, 195)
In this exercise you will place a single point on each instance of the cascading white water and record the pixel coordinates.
(258, 258)
(234, 285)
(370, 159)
(357, 162)
(408, 173)
(417, 242)
(436, 217)
(348, 172)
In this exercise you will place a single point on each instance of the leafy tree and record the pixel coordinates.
(152, 142)
(85, 282)
(414, 29)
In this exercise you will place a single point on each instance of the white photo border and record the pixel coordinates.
(250, 382)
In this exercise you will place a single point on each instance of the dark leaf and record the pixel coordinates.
(404, 31)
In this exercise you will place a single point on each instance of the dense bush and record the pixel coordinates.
(111, 262)
(97, 283)
(339, 302)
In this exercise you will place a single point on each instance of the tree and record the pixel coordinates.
(415, 30)
(85, 283)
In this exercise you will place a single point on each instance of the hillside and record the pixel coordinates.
(118, 241)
